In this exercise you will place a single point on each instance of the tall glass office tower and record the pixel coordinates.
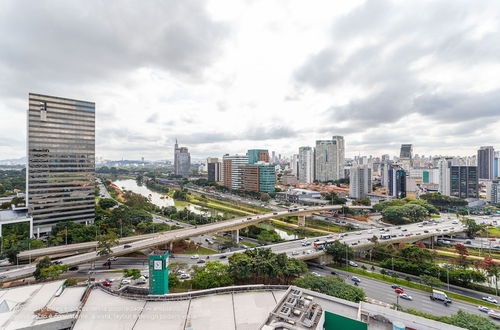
(61, 161)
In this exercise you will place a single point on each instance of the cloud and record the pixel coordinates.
(383, 48)
(56, 43)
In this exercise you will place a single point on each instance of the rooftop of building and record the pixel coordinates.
(14, 214)
(49, 306)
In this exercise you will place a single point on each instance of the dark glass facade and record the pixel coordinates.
(61, 160)
(464, 182)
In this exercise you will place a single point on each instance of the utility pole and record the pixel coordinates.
(392, 261)
(66, 234)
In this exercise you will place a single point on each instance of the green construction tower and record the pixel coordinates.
(158, 272)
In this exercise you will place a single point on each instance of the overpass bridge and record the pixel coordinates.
(161, 239)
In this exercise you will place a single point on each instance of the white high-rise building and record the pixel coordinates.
(232, 169)
(306, 165)
(493, 191)
(329, 159)
(444, 177)
(294, 165)
(360, 181)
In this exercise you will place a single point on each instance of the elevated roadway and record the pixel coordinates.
(162, 239)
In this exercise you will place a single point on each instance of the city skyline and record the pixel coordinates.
(369, 71)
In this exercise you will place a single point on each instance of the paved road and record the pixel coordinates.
(382, 291)
(166, 238)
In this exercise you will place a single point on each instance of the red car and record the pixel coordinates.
(398, 290)
(106, 283)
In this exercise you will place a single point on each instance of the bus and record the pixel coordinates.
(319, 245)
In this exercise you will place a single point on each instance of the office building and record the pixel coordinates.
(406, 156)
(60, 174)
(214, 169)
(485, 162)
(329, 159)
(306, 165)
(464, 182)
(360, 181)
(397, 182)
(493, 191)
(182, 161)
(258, 178)
(231, 169)
(444, 176)
(257, 155)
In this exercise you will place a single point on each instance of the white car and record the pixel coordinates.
(315, 274)
(484, 309)
(405, 296)
(490, 300)
(195, 256)
(184, 276)
(353, 264)
(294, 253)
(126, 281)
(112, 259)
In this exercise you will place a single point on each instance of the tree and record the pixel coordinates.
(394, 214)
(133, 273)
(265, 197)
(330, 285)
(463, 253)
(46, 269)
(213, 274)
(492, 269)
(105, 243)
(431, 281)
(416, 254)
(334, 198)
(173, 280)
(471, 321)
(107, 203)
(45, 262)
(472, 227)
(363, 201)
(339, 251)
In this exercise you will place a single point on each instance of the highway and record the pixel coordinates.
(166, 238)
(382, 291)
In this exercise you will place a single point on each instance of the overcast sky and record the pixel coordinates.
(225, 76)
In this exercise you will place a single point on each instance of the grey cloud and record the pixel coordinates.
(397, 36)
(254, 133)
(53, 44)
(153, 118)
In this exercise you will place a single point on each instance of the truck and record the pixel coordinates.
(441, 296)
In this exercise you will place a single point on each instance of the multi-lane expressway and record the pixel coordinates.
(167, 238)
(295, 249)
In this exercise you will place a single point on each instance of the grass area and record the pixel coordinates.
(248, 244)
(179, 203)
(200, 250)
(494, 232)
(218, 208)
(472, 252)
(412, 285)
(436, 216)
(301, 232)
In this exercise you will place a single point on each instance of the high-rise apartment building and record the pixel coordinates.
(306, 165)
(444, 176)
(485, 162)
(214, 169)
(232, 169)
(294, 166)
(493, 191)
(60, 174)
(258, 155)
(182, 161)
(329, 159)
(360, 181)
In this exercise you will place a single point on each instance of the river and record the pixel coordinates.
(156, 198)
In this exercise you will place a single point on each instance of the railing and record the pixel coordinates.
(143, 293)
